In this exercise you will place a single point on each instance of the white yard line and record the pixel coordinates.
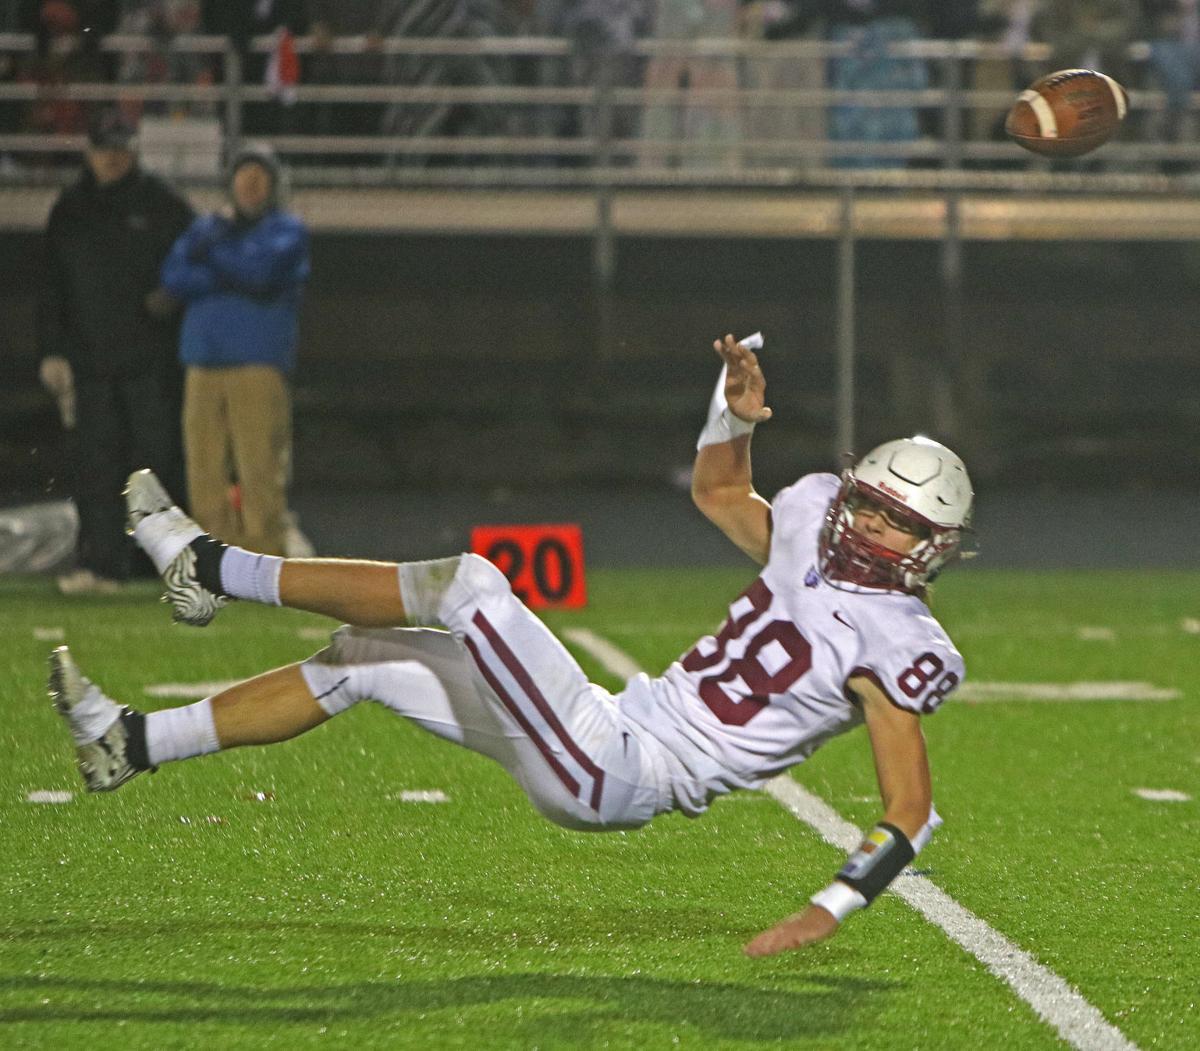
(612, 658)
(1054, 1000)
(975, 692)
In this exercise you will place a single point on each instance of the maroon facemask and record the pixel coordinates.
(847, 555)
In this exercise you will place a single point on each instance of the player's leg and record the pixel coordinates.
(200, 572)
(576, 743)
(115, 743)
(582, 764)
(574, 758)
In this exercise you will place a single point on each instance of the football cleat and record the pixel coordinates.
(165, 533)
(96, 722)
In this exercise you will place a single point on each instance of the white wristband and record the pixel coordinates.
(839, 899)
(722, 425)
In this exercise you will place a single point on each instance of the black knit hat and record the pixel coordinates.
(110, 129)
(261, 154)
(257, 153)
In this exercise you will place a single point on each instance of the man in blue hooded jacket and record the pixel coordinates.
(240, 274)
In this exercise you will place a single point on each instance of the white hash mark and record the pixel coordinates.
(47, 795)
(1162, 795)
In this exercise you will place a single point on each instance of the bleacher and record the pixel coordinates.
(627, 246)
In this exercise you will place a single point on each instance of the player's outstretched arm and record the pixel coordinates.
(722, 486)
(902, 768)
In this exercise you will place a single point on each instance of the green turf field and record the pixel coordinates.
(289, 897)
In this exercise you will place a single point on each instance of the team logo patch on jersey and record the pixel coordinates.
(812, 578)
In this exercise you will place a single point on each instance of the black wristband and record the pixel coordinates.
(879, 860)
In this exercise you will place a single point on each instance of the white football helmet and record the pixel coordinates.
(921, 485)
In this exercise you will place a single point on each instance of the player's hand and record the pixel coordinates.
(814, 924)
(745, 387)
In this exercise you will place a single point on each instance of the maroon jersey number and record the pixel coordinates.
(922, 673)
(738, 706)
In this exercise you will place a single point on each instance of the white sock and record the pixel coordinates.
(248, 575)
(92, 716)
(422, 585)
(180, 733)
(164, 534)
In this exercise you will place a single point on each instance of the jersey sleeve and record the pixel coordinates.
(801, 506)
(913, 661)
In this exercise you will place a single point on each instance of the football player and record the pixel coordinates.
(834, 632)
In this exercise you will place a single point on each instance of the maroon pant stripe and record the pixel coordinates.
(525, 681)
(563, 774)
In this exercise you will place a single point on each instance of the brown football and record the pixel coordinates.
(1068, 113)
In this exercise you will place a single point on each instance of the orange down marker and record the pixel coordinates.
(543, 563)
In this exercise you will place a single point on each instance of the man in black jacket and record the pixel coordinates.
(107, 335)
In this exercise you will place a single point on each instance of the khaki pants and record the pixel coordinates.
(237, 426)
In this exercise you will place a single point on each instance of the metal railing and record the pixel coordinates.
(503, 157)
(604, 160)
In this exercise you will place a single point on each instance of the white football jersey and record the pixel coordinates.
(770, 687)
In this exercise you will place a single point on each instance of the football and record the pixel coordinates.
(1068, 113)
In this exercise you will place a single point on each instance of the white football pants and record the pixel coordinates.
(502, 685)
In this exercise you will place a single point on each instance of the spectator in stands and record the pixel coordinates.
(950, 20)
(341, 18)
(241, 274)
(106, 332)
(1089, 34)
(91, 19)
(602, 35)
(162, 21)
(1173, 29)
(16, 16)
(68, 52)
(870, 27)
(778, 20)
(714, 127)
(449, 19)
(1008, 23)
(242, 21)
(514, 18)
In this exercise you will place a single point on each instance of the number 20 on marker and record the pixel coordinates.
(543, 563)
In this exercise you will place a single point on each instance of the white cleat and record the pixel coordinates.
(95, 724)
(164, 532)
